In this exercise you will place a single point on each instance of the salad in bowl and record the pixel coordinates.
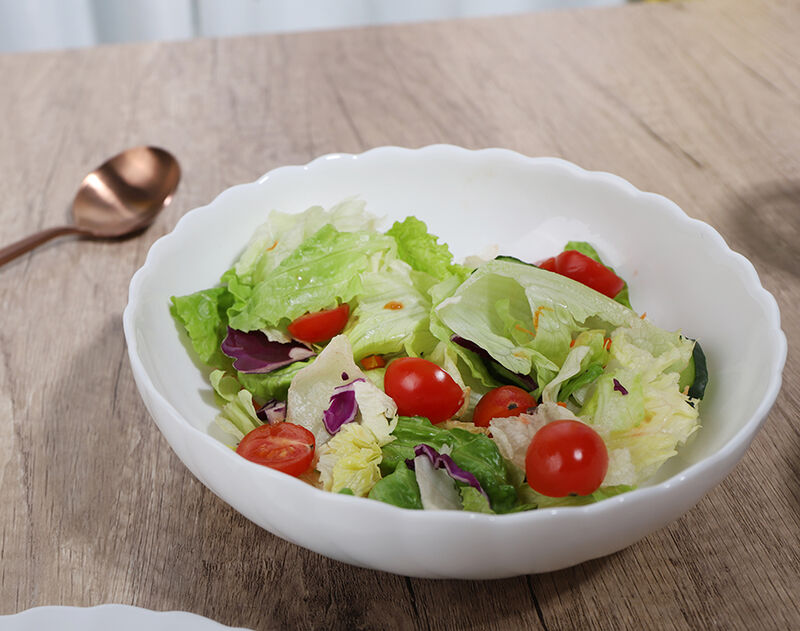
(393, 295)
(371, 363)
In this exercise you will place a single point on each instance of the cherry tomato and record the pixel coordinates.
(320, 326)
(501, 402)
(580, 267)
(566, 457)
(284, 446)
(373, 361)
(548, 264)
(421, 388)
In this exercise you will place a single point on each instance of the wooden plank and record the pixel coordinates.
(697, 101)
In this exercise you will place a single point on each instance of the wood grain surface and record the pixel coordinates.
(697, 101)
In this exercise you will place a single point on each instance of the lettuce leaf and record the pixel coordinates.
(350, 460)
(322, 271)
(238, 414)
(393, 312)
(472, 362)
(422, 250)
(654, 417)
(278, 237)
(398, 488)
(272, 385)
(472, 500)
(203, 315)
(526, 318)
(475, 453)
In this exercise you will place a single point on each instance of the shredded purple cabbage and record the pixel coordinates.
(343, 407)
(619, 387)
(272, 412)
(530, 382)
(254, 353)
(471, 346)
(444, 461)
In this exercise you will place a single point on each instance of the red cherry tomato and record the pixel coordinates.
(421, 388)
(580, 267)
(549, 264)
(320, 326)
(285, 446)
(501, 402)
(566, 457)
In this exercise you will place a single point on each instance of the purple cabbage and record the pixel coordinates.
(343, 407)
(444, 461)
(495, 367)
(254, 353)
(471, 346)
(619, 387)
(272, 412)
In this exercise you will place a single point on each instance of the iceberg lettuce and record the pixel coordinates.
(325, 269)
(392, 314)
(422, 250)
(350, 460)
(238, 415)
(622, 371)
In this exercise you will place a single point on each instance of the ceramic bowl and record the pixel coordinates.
(105, 617)
(680, 272)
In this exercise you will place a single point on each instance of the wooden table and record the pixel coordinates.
(697, 101)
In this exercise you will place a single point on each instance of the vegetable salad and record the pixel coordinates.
(371, 363)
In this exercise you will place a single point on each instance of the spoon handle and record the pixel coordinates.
(10, 252)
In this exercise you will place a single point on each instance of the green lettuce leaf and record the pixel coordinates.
(525, 317)
(238, 414)
(472, 363)
(393, 312)
(543, 501)
(475, 453)
(282, 233)
(655, 417)
(472, 500)
(271, 385)
(399, 488)
(203, 315)
(323, 270)
(422, 250)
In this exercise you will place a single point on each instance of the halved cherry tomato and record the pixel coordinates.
(320, 326)
(284, 446)
(566, 457)
(548, 264)
(501, 402)
(373, 361)
(580, 267)
(421, 388)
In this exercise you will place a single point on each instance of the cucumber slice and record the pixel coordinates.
(695, 375)
(698, 387)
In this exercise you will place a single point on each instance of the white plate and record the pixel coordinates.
(680, 272)
(107, 618)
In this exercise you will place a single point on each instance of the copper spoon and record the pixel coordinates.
(120, 197)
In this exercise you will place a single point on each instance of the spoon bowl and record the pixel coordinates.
(119, 198)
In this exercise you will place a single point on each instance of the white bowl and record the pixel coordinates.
(680, 272)
(104, 617)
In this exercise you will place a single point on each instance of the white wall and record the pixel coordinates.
(49, 24)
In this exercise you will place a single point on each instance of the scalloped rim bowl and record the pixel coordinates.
(108, 616)
(680, 272)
